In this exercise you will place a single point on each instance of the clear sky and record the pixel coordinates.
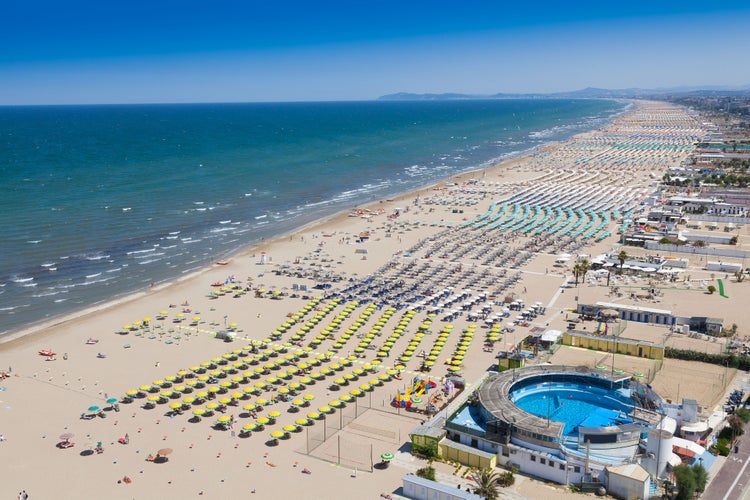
(124, 51)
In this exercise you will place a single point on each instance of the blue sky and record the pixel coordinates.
(122, 51)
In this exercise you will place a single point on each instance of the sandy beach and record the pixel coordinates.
(292, 340)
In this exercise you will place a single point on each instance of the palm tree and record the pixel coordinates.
(576, 272)
(487, 483)
(585, 266)
(622, 257)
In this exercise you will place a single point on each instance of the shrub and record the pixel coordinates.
(428, 451)
(427, 472)
(743, 414)
(711, 289)
(722, 447)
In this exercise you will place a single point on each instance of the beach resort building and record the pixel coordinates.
(574, 425)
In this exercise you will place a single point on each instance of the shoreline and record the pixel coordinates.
(36, 329)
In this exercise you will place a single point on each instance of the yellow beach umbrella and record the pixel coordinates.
(249, 427)
(274, 414)
(199, 412)
(262, 420)
(224, 419)
(289, 428)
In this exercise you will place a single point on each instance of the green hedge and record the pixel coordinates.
(739, 362)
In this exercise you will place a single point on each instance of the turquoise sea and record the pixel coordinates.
(100, 201)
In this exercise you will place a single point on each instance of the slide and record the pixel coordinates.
(721, 288)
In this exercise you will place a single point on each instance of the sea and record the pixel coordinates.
(102, 201)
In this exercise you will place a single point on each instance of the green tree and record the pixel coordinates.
(487, 484)
(585, 267)
(577, 271)
(701, 477)
(686, 484)
(622, 257)
(711, 289)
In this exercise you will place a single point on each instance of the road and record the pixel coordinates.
(731, 483)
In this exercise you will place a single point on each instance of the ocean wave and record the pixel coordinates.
(48, 293)
(103, 280)
(148, 256)
(150, 261)
(95, 256)
(134, 252)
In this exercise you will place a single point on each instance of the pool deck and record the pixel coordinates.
(495, 396)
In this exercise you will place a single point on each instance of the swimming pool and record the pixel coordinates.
(573, 404)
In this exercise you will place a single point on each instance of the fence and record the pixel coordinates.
(707, 251)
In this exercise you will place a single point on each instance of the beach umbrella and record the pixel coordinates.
(335, 403)
(308, 397)
(365, 387)
(284, 390)
(225, 401)
(262, 420)
(355, 392)
(93, 408)
(112, 400)
(201, 394)
(289, 428)
(164, 452)
(212, 406)
(416, 400)
(66, 436)
(131, 392)
(199, 412)
(298, 402)
(387, 457)
(224, 419)
(277, 434)
(261, 402)
(274, 414)
(175, 406)
(188, 401)
(345, 398)
(238, 395)
(302, 421)
(325, 409)
(249, 407)
(249, 427)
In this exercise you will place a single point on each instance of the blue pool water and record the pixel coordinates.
(574, 405)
